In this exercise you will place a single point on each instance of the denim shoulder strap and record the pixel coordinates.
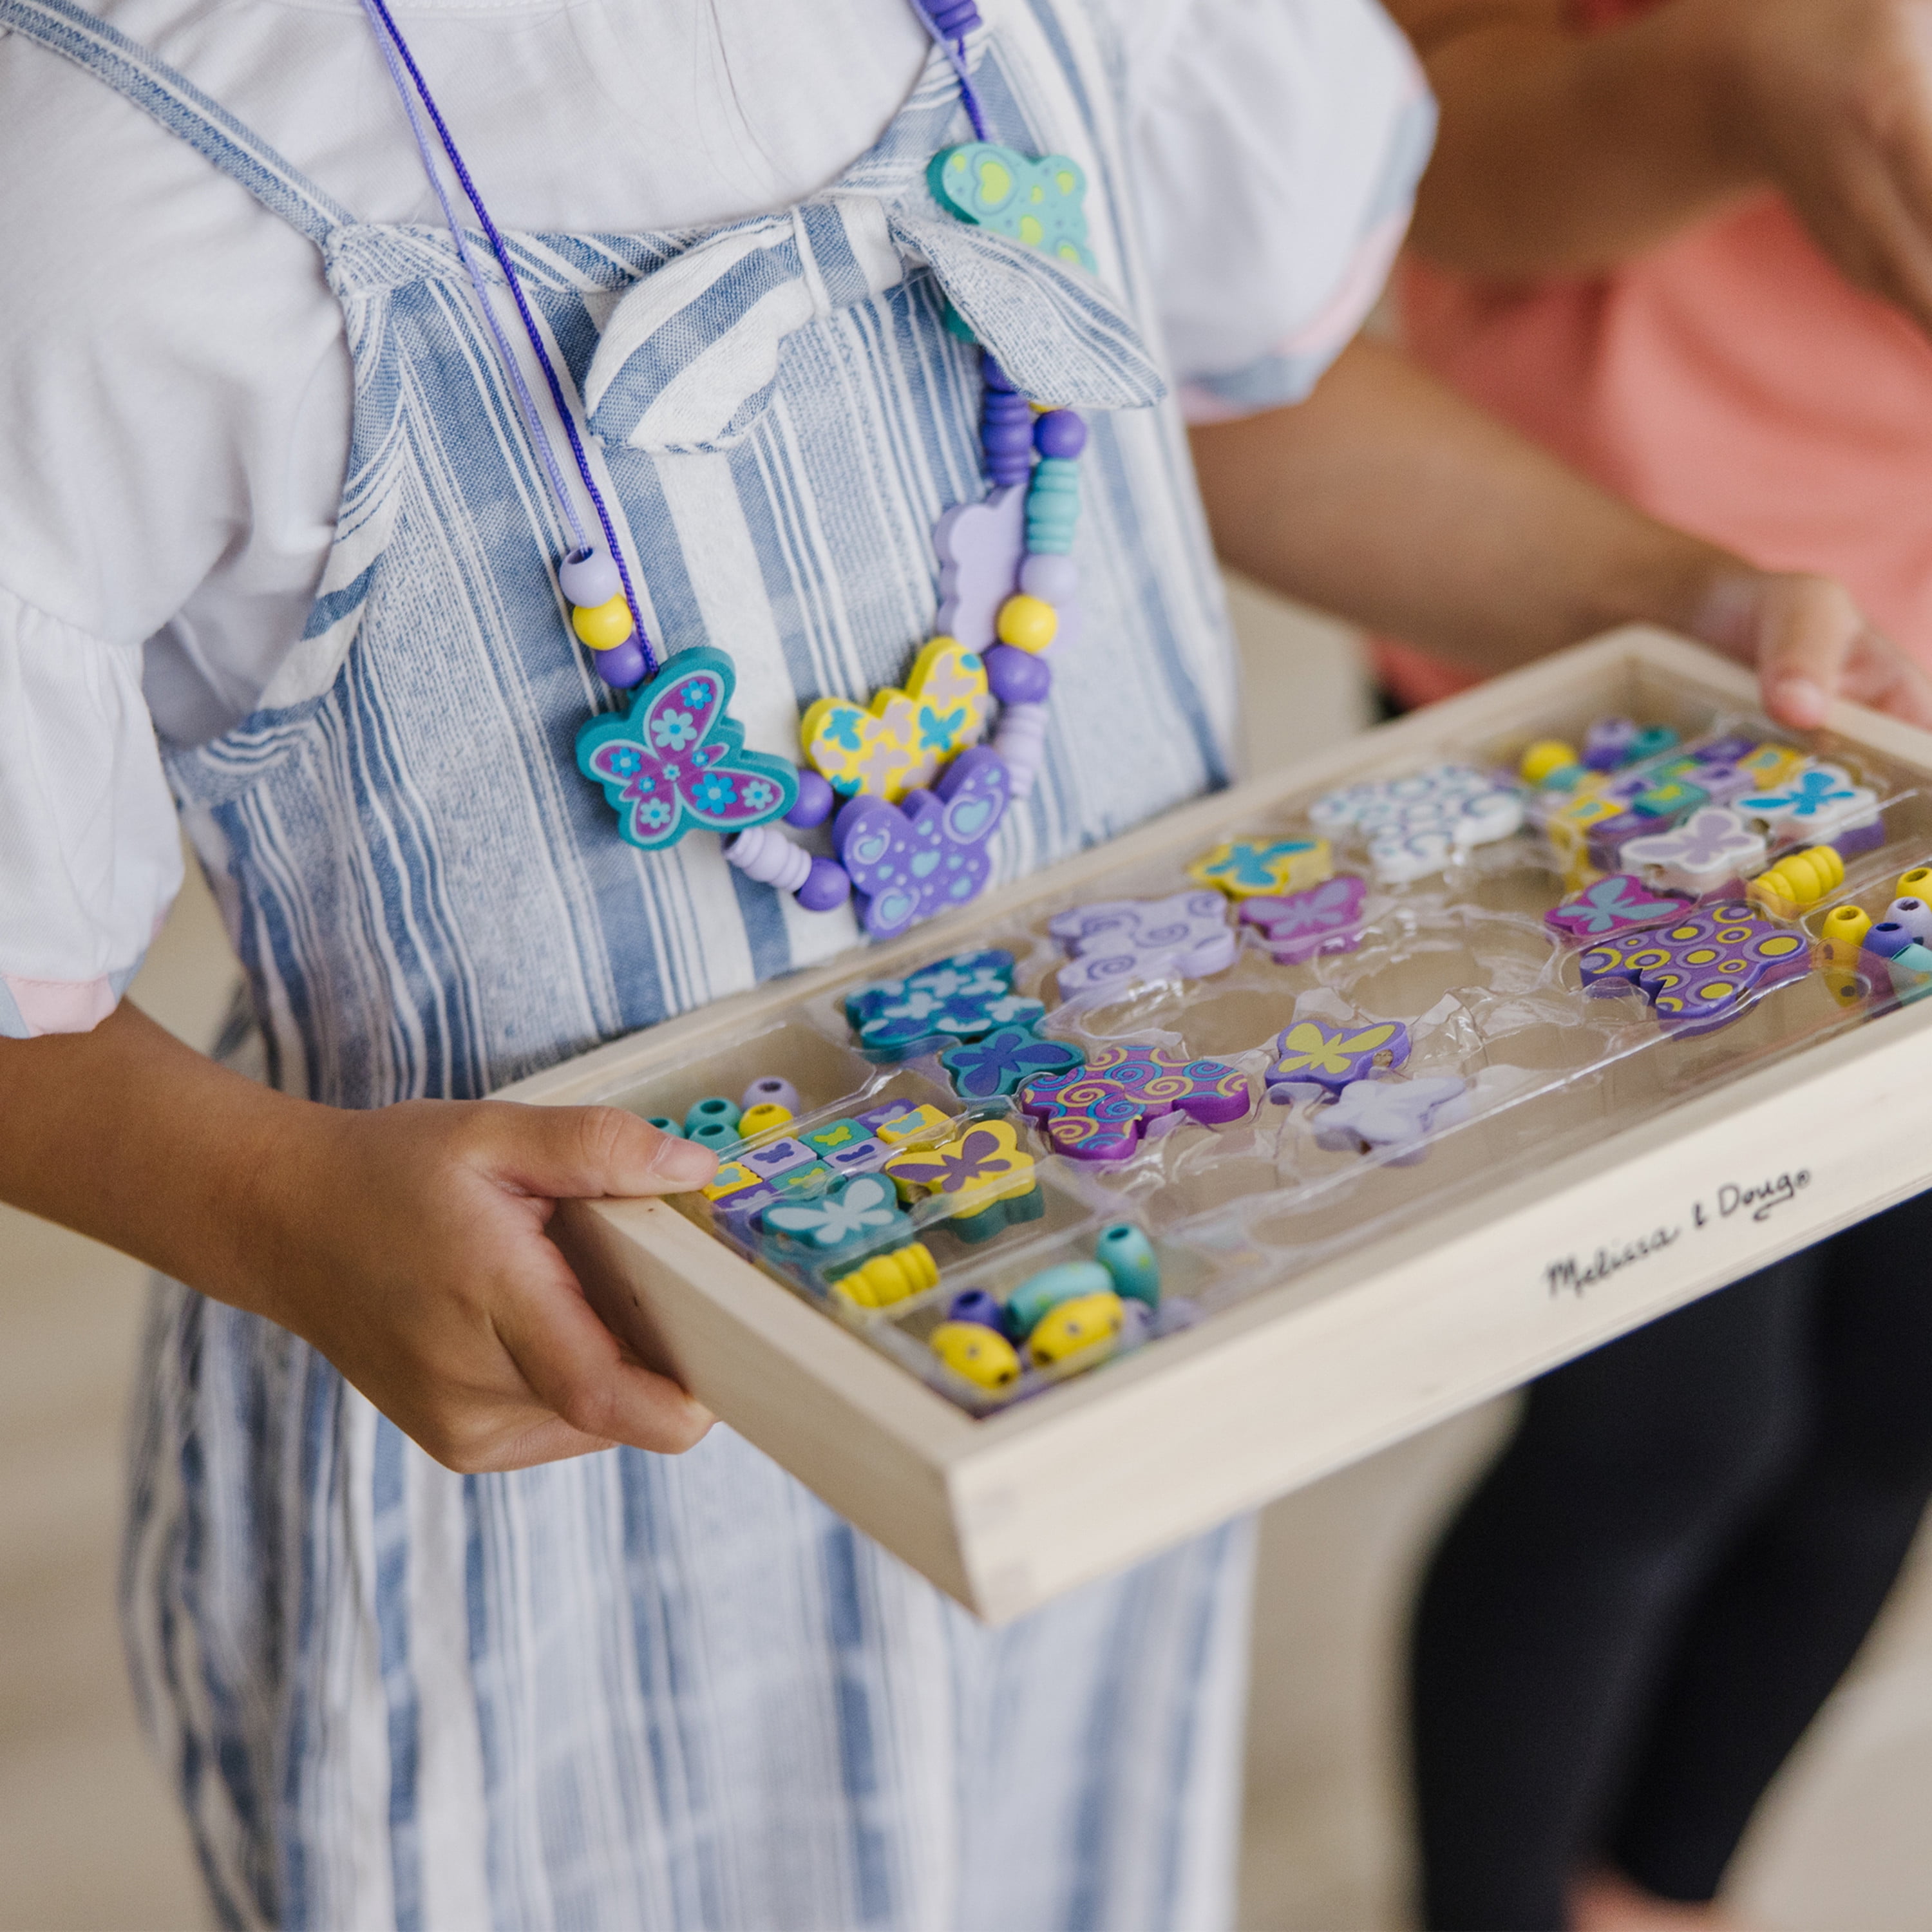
(180, 107)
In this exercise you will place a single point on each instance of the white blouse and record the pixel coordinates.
(174, 384)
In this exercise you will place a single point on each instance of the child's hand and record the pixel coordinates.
(409, 1249)
(1811, 643)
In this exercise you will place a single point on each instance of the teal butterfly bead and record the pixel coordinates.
(1040, 202)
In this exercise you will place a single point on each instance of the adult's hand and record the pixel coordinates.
(1832, 101)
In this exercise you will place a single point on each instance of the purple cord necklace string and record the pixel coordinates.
(389, 34)
(949, 22)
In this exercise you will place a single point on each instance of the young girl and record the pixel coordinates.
(282, 539)
(1639, 1611)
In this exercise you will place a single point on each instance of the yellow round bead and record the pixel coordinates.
(1545, 756)
(1915, 884)
(603, 626)
(1027, 623)
(1841, 933)
(756, 1119)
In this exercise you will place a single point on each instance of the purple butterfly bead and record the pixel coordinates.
(1610, 905)
(1327, 918)
(908, 861)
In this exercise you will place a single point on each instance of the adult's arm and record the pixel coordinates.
(1387, 498)
(1563, 152)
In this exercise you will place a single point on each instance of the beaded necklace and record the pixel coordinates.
(911, 794)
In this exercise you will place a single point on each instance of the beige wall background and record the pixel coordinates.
(89, 1836)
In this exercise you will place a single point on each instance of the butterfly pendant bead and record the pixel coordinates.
(676, 761)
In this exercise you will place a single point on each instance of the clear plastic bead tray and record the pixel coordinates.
(1320, 1295)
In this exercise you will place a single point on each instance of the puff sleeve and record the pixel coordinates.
(90, 854)
(1280, 142)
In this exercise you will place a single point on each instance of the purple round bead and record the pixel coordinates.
(993, 376)
(1060, 433)
(1054, 580)
(828, 886)
(955, 19)
(976, 1306)
(588, 578)
(622, 667)
(815, 800)
(1018, 676)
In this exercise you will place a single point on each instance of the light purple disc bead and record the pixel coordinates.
(590, 579)
(769, 1089)
(815, 800)
(622, 667)
(1060, 433)
(1017, 676)
(1052, 579)
(828, 886)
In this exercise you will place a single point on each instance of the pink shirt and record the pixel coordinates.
(1731, 381)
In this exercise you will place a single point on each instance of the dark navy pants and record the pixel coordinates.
(1634, 1617)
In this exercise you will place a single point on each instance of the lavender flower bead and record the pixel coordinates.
(589, 579)
(1054, 580)
(622, 667)
(1061, 433)
(816, 799)
(828, 887)
(1017, 677)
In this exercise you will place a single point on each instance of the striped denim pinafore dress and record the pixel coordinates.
(627, 1691)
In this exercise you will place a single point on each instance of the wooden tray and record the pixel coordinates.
(1504, 1252)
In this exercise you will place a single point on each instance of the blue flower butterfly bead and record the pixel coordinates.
(678, 760)
(963, 996)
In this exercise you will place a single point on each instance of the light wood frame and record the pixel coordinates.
(1006, 1511)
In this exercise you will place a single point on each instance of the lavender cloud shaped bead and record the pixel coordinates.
(979, 546)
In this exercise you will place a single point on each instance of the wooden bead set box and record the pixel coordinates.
(1154, 1185)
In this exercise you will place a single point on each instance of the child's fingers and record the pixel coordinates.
(577, 1368)
(581, 1152)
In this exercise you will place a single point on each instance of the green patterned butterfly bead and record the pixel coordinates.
(1036, 201)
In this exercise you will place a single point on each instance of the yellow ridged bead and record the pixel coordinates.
(886, 1279)
(1027, 623)
(1840, 933)
(980, 1354)
(603, 626)
(1545, 756)
(1799, 880)
(756, 1119)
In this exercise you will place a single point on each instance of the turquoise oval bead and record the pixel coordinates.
(1128, 1256)
(1041, 1293)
